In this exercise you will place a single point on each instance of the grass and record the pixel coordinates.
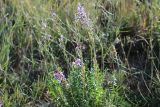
(70, 53)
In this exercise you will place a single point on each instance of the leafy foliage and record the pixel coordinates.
(107, 52)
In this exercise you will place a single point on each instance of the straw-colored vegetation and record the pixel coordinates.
(80, 53)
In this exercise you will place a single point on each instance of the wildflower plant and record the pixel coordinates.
(58, 76)
(78, 62)
(81, 16)
(36, 36)
(83, 88)
(80, 91)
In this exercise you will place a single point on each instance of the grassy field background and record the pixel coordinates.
(79, 53)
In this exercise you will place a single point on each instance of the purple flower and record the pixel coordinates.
(58, 76)
(77, 62)
(82, 16)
